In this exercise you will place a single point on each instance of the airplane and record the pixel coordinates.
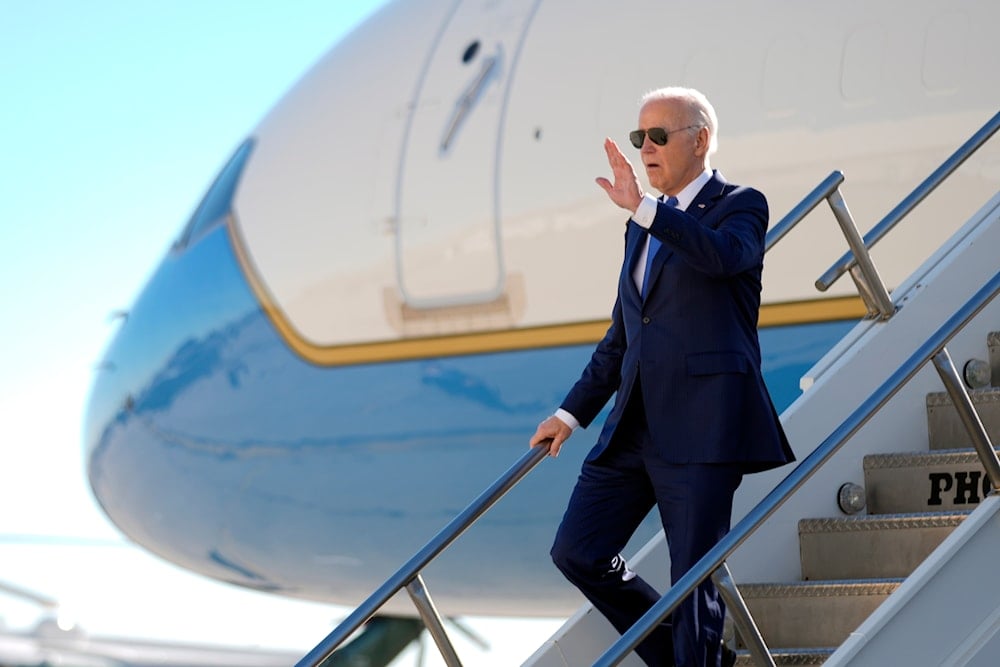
(50, 644)
(407, 263)
(56, 638)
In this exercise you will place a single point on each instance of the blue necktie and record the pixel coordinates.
(654, 246)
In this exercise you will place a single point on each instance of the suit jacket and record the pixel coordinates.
(693, 340)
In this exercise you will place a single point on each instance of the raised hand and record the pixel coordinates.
(625, 191)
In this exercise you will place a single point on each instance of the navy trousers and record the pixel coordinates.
(612, 496)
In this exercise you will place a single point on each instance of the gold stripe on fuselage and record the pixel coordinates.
(507, 340)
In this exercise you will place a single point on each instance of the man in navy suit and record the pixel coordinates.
(691, 412)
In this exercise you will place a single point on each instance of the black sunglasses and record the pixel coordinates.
(658, 135)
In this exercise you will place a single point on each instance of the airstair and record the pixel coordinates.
(850, 564)
(879, 547)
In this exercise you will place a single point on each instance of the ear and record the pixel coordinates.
(701, 142)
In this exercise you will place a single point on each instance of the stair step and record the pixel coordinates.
(815, 656)
(945, 429)
(871, 547)
(813, 613)
(925, 481)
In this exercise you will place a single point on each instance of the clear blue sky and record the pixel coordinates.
(114, 117)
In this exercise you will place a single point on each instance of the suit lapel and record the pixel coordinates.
(708, 196)
(635, 237)
(703, 202)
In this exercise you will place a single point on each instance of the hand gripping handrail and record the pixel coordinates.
(408, 576)
(717, 556)
(847, 261)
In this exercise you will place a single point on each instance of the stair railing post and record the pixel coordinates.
(432, 620)
(746, 627)
(864, 291)
(869, 282)
(967, 413)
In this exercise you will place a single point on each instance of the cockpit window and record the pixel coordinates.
(218, 201)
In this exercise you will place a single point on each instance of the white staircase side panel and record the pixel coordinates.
(581, 640)
(947, 613)
(839, 385)
(586, 635)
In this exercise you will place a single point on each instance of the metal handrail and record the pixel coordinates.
(822, 191)
(870, 285)
(844, 264)
(408, 575)
(795, 479)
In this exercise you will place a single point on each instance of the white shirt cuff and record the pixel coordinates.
(646, 211)
(567, 418)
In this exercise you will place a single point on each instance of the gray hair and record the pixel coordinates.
(698, 109)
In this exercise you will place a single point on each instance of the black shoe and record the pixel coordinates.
(728, 656)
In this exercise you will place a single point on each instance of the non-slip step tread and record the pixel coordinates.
(869, 547)
(804, 615)
(964, 456)
(816, 656)
(834, 588)
(979, 396)
(880, 522)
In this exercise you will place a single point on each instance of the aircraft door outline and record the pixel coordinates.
(448, 241)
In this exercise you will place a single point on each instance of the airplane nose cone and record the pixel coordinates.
(178, 333)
